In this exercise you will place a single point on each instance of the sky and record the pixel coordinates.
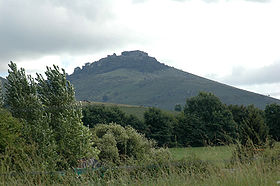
(236, 42)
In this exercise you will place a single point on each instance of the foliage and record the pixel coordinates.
(99, 114)
(188, 171)
(159, 126)
(215, 118)
(21, 95)
(272, 118)
(251, 124)
(57, 95)
(50, 116)
(10, 130)
(253, 135)
(22, 101)
(178, 108)
(189, 131)
(1, 95)
(119, 144)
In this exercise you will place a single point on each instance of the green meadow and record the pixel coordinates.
(217, 154)
(200, 166)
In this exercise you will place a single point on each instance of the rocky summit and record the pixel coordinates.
(136, 78)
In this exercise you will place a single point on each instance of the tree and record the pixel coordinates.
(21, 95)
(189, 131)
(272, 118)
(252, 133)
(251, 125)
(50, 116)
(214, 116)
(159, 126)
(22, 101)
(57, 95)
(253, 129)
(99, 114)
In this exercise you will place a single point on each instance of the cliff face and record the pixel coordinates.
(136, 78)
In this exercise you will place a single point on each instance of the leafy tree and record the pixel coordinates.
(99, 114)
(215, 118)
(50, 116)
(57, 95)
(272, 118)
(21, 95)
(189, 131)
(159, 126)
(239, 113)
(22, 101)
(10, 130)
(136, 123)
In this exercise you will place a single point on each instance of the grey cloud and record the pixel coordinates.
(241, 76)
(31, 28)
(215, 1)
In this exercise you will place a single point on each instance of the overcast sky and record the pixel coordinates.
(236, 42)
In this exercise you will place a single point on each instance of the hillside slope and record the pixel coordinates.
(138, 79)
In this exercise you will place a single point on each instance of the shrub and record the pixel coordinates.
(10, 129)
(120, 145)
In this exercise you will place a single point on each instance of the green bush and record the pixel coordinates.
(119, 145)
(10, 130)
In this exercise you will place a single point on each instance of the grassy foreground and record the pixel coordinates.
(218, 155)
(200, 166)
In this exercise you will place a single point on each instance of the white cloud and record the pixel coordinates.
(265, 75)
(195, 36)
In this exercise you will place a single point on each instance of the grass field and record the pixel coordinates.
(259, 172)
(217, 155)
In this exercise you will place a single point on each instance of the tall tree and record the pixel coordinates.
(215, 117)
(21, 96)
(22, 101)
(50, 116)
(58, 99)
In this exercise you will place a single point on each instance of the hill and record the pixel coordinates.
(135, 78)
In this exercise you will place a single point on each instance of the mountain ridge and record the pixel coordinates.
(138, 79)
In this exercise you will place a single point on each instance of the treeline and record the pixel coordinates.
(41, 128)
(204, 120)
